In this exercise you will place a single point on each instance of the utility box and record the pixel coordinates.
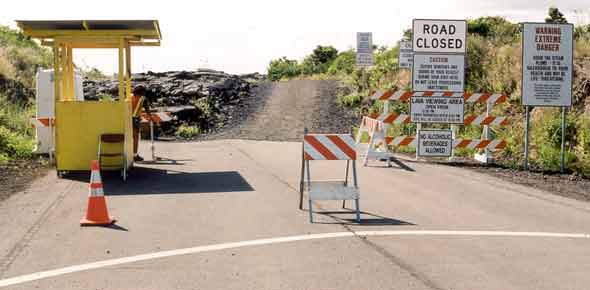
(45, 101)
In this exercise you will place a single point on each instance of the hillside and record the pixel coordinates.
(493, 65)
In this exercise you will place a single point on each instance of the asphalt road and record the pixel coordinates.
(227, 205)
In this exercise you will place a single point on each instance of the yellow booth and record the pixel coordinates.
(80, 126)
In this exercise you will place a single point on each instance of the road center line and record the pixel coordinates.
(224, 246)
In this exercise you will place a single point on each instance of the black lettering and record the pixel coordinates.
(452, 29)
(427, 28)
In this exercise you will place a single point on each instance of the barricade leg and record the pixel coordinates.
(358, 211)
(310, 212)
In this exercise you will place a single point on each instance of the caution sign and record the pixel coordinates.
(436, 72)
(547, 64)
(364, 49)
(435, 143)
(406, 55)
(444, 36)
(444, 110)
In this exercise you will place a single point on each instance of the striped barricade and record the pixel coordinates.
(329, 147)
(395, 118)
(405, 96)
(460, 143)
(374, 149)
(42, 122)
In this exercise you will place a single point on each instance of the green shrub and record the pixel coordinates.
(344, 63)
(14, 145)
(282, 68)
(187, 132)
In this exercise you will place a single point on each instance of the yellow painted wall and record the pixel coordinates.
(79, 125)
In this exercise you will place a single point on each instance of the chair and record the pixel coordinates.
(106, 143)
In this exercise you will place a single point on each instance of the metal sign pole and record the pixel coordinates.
(563, 115)
(526, 138)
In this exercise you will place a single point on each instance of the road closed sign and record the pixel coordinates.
(547, 64)
(442, 110)
(435, 143)
(440, 73)
(444, 36)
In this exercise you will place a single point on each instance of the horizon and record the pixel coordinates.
(268, 30)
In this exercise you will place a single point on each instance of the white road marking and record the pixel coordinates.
(224, 246)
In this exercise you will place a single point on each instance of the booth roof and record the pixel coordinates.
(145, 29)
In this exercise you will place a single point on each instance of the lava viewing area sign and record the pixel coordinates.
(442, 73)
(443, 110)
(547, 61)
(442, 36)
(435, 143)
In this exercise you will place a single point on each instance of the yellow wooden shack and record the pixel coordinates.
(79, 124)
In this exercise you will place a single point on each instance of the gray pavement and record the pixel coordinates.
(234, 190)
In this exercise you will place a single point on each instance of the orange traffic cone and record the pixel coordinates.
(97, 213)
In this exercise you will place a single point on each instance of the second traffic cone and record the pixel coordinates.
(97, 213)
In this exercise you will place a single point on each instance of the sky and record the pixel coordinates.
(243, 36)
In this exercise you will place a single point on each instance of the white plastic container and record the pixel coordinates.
(46, 106)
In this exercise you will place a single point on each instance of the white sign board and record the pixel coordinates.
(406, 55)
(435, 143)
(547, 64)
(440, 73)
(444, 36)
(445, 110)
(364, 49)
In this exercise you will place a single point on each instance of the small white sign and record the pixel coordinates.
(435, 143)
(547, 64)
(444, 36)
(406, 55)
(442, 110)
(439, 73)
(364, 49)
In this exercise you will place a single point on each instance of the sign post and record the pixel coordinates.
(547, 75)
(364, 49)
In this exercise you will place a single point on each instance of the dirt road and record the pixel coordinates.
(280, 111)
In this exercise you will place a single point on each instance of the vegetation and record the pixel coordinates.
(20, 58)
(186, 131)
(493, 64)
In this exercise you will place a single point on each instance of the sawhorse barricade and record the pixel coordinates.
(386, 119)
(329, 147)
(375, 148)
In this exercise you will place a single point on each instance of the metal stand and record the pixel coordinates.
(563, 128)
(526, 138)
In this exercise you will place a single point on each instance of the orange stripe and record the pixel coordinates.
(95, 185)
(374, 115)
(466, 96)
(388, 140)
(317, 145)
(501, 145)
(405, 96)
(483, 98)
(428, 94)
(447, 94)
(501, 99)
(343, 146)
(44, 121)
(94, 165)
(488, 120)
(307, 156)
(483, 144)
(406, 141)
(390, 118)
(386, 95)
(469, 119)
(504, 122)
(463, 143)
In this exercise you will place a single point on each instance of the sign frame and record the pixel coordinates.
(418, 146)
(461, 122)
(439, 54)
(464, 38)
(522, 73)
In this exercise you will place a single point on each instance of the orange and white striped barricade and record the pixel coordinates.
(486, 120)
(375, 147)
(460, 143)
(329, 147)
